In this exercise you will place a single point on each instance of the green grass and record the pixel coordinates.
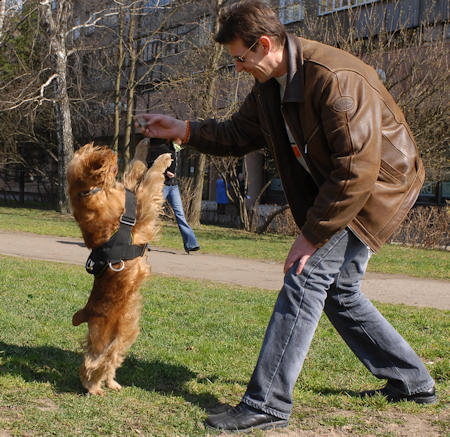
(233, 242)
(197, 348)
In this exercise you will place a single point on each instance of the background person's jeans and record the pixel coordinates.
(331, 282)
(172, 195)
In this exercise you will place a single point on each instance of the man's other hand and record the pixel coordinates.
(301, 250)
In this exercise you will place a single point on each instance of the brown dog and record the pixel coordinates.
(114, 306)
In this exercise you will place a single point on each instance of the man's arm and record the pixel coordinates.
(237, 136)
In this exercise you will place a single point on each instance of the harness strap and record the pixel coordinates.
(120, 246)
(129, 215)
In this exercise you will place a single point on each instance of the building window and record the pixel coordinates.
(152, 50)
(291, 11)
(328, 6)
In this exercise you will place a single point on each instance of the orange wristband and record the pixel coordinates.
(188, 132)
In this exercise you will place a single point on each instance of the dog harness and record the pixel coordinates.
(120, 246)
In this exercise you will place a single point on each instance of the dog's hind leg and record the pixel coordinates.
(94, 370)
(127, 332)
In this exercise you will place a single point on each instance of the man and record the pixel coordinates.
(350, 171)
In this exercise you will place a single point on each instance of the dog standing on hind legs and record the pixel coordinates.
(100, 203)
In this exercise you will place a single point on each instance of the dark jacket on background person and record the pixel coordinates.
(159, 147)
(365, 170)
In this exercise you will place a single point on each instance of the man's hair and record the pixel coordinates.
(249, 20)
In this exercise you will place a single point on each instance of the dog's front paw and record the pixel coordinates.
(162, 162)
(133, 177)
(79, 317)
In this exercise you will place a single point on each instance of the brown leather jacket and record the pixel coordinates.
(365, 168)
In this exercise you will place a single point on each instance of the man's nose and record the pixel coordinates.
(238, 66)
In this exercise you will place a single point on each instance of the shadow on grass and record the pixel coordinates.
(164, 378)
(58, 367)
(42, 364)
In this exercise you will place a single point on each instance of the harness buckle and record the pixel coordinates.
(90, 265)
(127, 220)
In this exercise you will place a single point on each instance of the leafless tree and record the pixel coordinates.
(38, 80)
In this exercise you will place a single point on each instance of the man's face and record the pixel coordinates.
(255, 62)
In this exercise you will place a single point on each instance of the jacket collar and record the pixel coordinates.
(295, 85)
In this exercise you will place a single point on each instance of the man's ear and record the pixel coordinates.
(266, 43)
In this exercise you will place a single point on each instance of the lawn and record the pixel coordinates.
(234, 242)
(198, 344)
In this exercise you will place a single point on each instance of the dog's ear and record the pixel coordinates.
(95, 161)
(100, 165)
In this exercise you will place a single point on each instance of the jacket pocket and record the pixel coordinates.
(310, 138)
(390, 174)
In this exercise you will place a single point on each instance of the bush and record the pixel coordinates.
(425, 227)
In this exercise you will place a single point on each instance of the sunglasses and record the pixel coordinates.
(241, 58)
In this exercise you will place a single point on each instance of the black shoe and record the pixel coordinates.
(244, 418)
(393, 395)
(194, 249)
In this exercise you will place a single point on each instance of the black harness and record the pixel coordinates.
(119, 247)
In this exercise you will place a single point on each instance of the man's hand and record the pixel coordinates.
(163, 126)
(301, 250)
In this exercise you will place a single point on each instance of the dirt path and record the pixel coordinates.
(250, 273)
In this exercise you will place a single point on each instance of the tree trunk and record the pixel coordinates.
(2, 17)
(131, 89)
(58, 28)
(117, 96)
(196, 203)
(200, 165)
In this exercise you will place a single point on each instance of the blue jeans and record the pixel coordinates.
(172, 195)
(331, 282)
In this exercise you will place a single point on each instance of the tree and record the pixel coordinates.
(58, 25)
(26, 142)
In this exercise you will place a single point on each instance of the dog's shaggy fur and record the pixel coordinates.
(114, 306)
